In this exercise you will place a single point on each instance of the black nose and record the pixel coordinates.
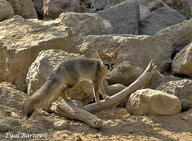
(89, 5)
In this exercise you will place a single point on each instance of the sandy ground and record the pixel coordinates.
(118, 124)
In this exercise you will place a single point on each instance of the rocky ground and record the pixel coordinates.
(36, 35)
(118, 124)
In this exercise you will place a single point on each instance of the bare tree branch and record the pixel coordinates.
(141, 81)
(69, 110)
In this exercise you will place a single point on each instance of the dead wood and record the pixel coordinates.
(69, 110)
(116, 99)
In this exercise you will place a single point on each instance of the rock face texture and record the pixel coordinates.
(53, 8)
(113, 89)
(44, 64)
(182, 62)
(10, 96)
(147, 6)
(183, 6)
(160, 19)
(24, 8)
(180, 88)
(18, 51)
(124, 73)
(178, 35)
(139, 50)
(124, 18)
(147, 101)
(99, 5)
(6, 10)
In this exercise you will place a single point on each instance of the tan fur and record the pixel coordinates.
(67, 74)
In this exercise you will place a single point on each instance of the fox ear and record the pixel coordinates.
(116, 53)
(100, 53)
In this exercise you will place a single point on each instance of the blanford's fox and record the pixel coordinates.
(67, 74)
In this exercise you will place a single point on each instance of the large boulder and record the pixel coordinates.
(180, 88)
(182, 6)
(160, 19)
(182, 62)
(139, 50)
(178, 35)
(24, 8)
(159, 78)
(18, 51)
(148, 101)
(124, 73)
(11, 98)
(103, 4)
(88, 24)
(113, 89)
(6, 10)
(123, 17)
(53, 8)
(147, 6)
(43, 65)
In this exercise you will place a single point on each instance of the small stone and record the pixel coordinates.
(95, 136)
(13, 114)
(11, 121)
(185, 117)
(131, 131)
(61, 124)
(4, 127)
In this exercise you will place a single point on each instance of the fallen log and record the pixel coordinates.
(116, 99)
(69, 110)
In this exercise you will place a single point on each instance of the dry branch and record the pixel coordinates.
(69, 110)
(116, 99)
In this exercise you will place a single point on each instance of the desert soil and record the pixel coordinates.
(118, 125)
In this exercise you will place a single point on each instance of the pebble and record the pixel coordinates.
(186, 117)
(11, 121)
(4, 127)
(61, 124)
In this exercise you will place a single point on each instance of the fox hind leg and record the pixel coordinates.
(73, 82)
(63, 94)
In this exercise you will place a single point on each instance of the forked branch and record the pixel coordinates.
(116, 99)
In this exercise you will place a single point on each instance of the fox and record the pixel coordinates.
(85, 6)
(68, 74)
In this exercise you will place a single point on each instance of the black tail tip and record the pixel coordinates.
(28, 115)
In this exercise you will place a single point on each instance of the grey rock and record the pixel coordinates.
(124, 17)
(4, 127)
(160, 19)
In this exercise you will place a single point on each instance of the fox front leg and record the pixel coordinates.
(102, 91)
(96, 92)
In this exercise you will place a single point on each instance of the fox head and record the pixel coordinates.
(108, 60)
(85, 3)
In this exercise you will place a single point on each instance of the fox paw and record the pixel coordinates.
(107, 97)
(98, 102)
(68, 98)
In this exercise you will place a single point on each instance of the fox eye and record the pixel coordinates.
(107, 66)
(112, 65)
